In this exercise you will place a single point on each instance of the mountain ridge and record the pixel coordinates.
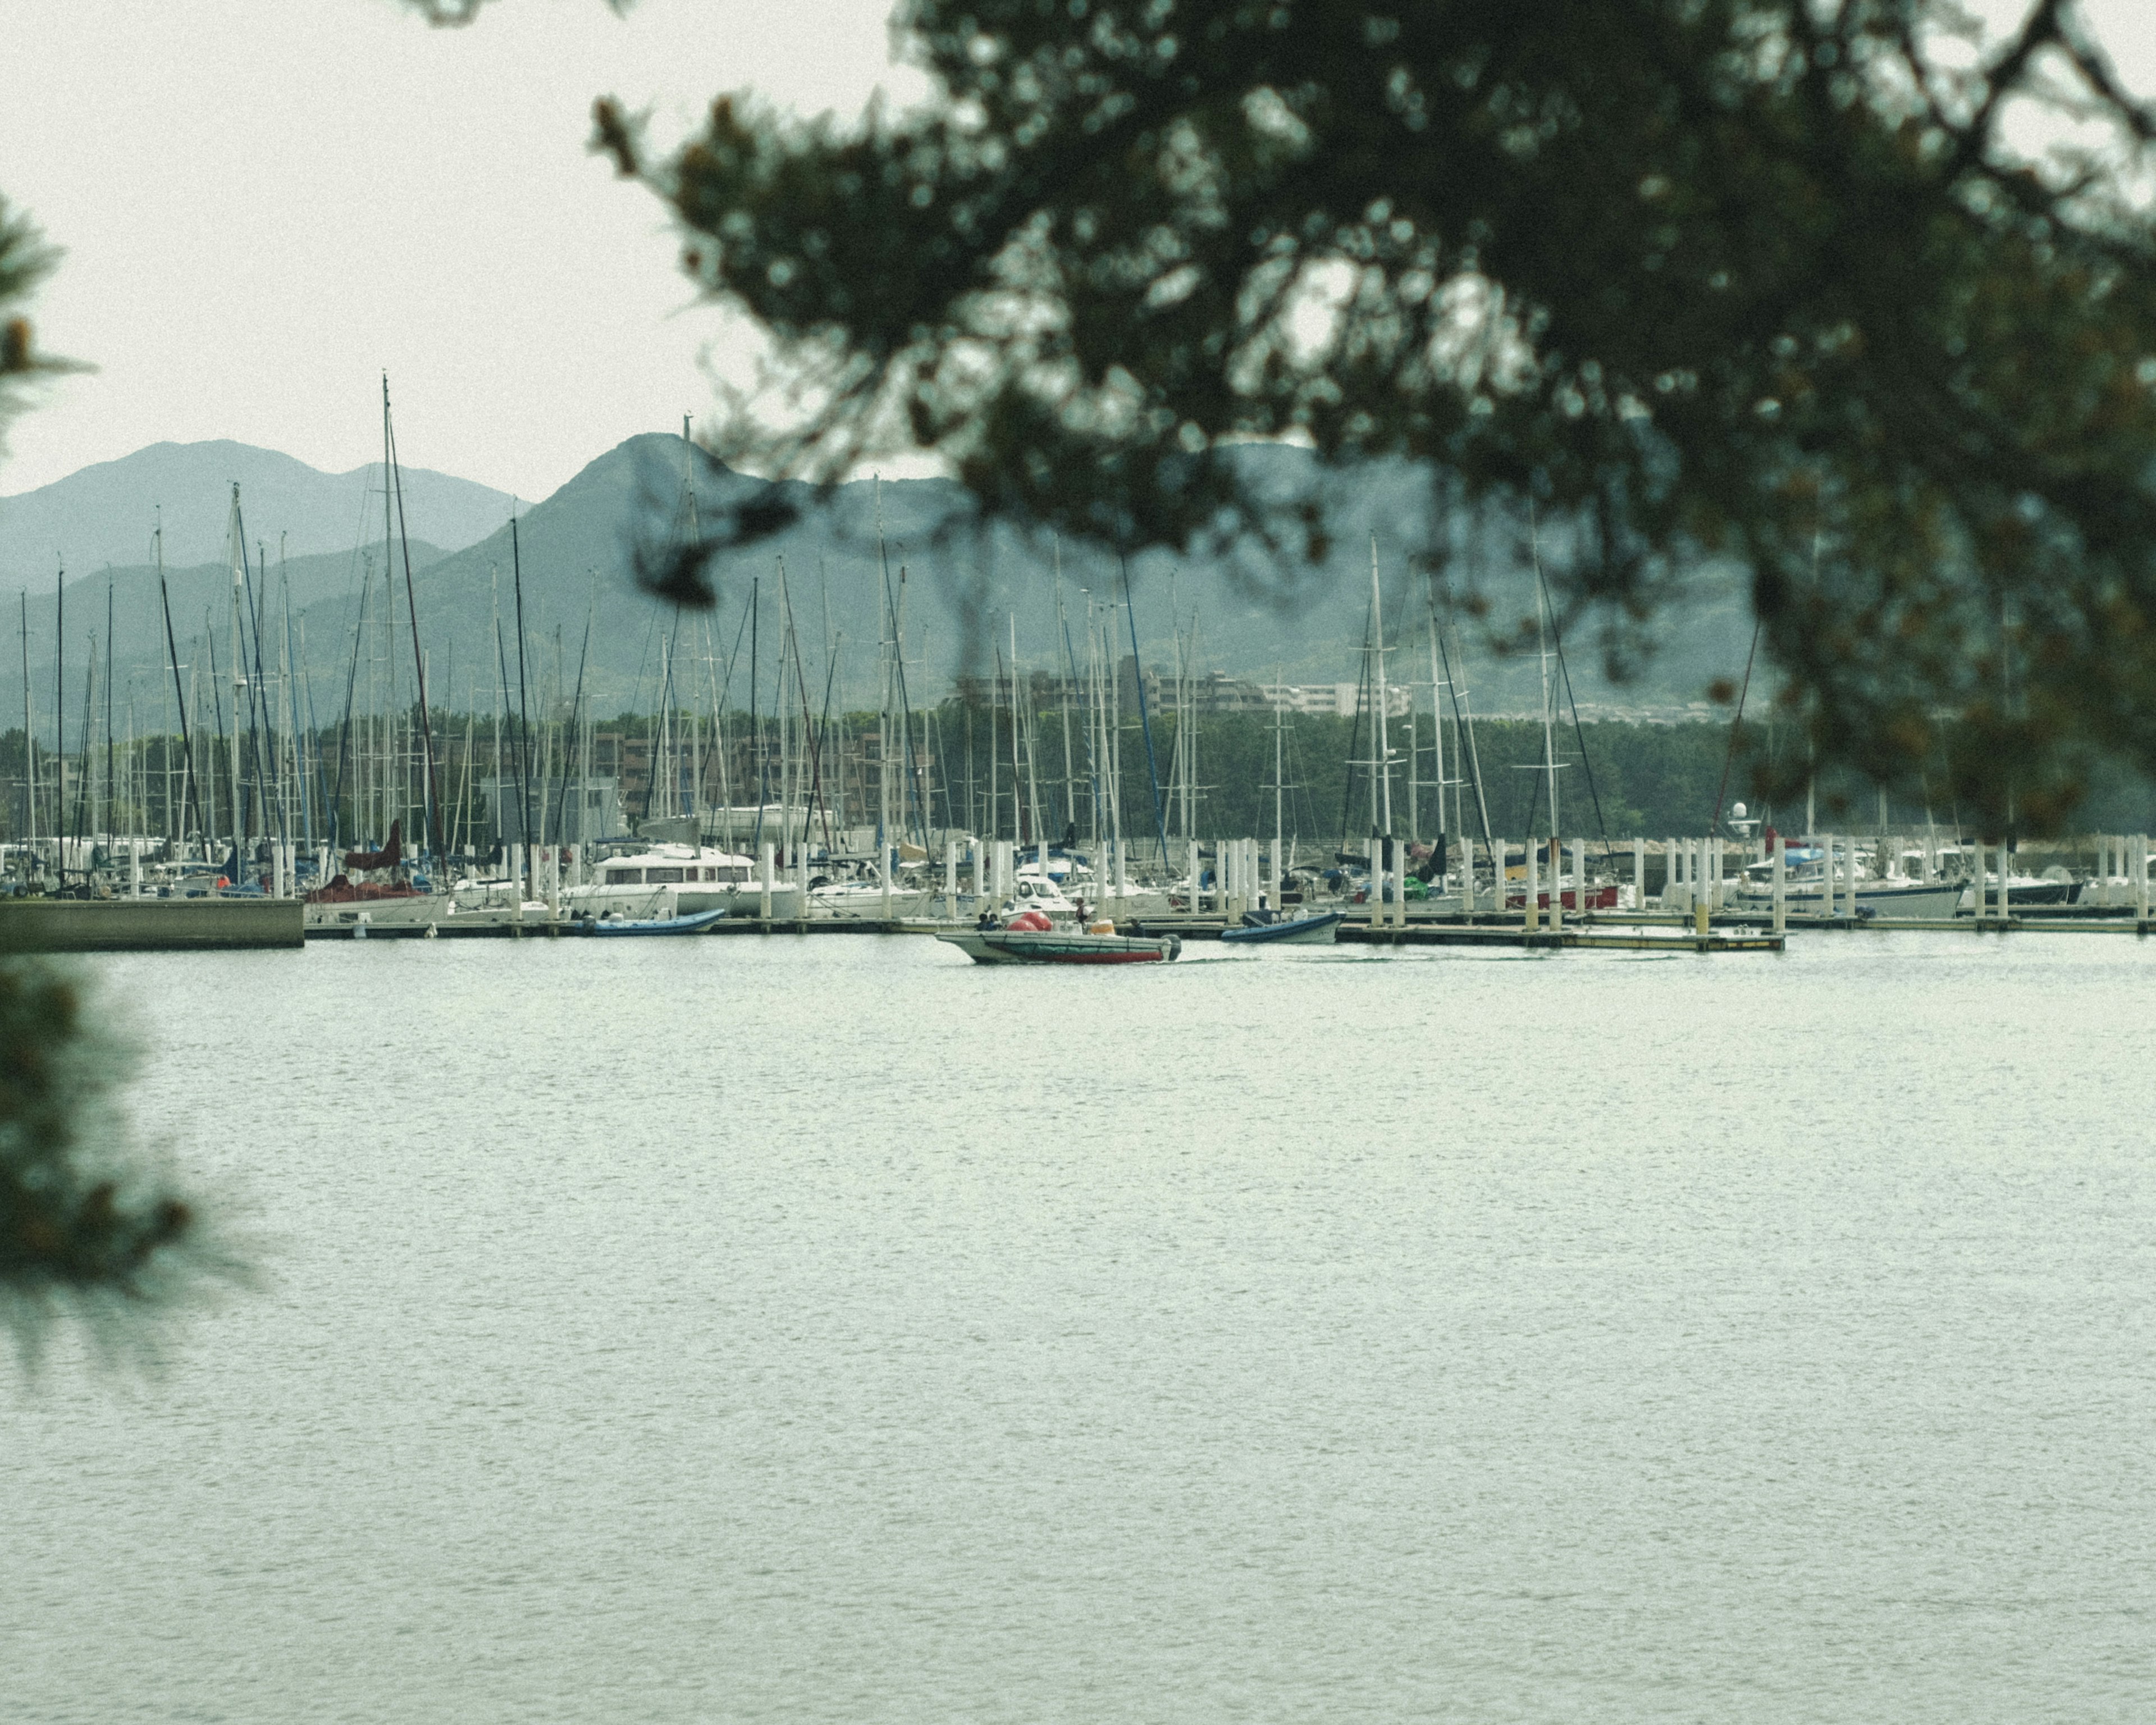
(105, 513)
(577, 552)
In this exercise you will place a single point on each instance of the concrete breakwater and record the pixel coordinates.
(147, 925)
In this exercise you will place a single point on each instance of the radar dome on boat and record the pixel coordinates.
(1737, 811)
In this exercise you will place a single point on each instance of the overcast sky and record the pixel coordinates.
(264, 204)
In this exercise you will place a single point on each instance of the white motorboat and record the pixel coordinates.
(863, 895)
(679, 881)
(1804, 892)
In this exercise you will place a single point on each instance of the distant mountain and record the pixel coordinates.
(959, 591)
(104, 514)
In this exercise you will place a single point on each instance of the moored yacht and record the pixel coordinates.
(1805, 890)
(681, 880)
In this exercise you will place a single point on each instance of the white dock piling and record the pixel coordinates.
(2141, 877)
(763, 879)
(1531, 909)
(1781, 884)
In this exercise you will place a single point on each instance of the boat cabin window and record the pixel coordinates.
(624, 877)
(654, 877)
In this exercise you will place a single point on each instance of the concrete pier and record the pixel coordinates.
(148, 925)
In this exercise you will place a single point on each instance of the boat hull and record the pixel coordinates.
(695, 924)
(1303, 931)
(1019, 946)
(1922, 903)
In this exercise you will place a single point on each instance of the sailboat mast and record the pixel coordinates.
(523, 707)
(236, 547)
(1018, 769)
(1381, 781)
(396, 485)
(1549, 699)
(60, 717)
(29, 734)
(1437, 725)
(1280, 799)
(111, 784)
(1063, 630)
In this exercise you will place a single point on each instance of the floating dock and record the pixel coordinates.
(1495, 933)
(148, 925)
(2064, 919)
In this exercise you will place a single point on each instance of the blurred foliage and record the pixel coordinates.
(25, 260)
(83, 1229)
(1760, 281)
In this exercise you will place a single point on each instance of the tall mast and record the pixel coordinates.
(411, 603)
(1280, 799)
(1062, 627)
(60, 717)
(112, 785)
(29, 734)
(1437, 727)
(755, 715)
(1381, 779)
(524, 706)
(180, 695)
(1549, 697)
(1018, 769)
(237, 550)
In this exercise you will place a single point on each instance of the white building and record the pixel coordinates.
(1340, 699)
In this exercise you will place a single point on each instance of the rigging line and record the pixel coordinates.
(412, 601)
(344, 743)
(523, 699)
(1556, 639)
(187, 785)
(110, 793)
(294, 675)
(1355, 734)
(314, 731)
(1138, 675)
(576, 706)
(1071, 657)
(502, 662)
(1466, 726)
(254, 689)
(89, 719)
(824, 729)
(812, 741)
(661, 725)
(1728, 759)
(916, 793)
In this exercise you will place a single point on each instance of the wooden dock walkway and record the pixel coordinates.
(1493, 932)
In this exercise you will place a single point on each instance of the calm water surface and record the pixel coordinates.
(832, 1330)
